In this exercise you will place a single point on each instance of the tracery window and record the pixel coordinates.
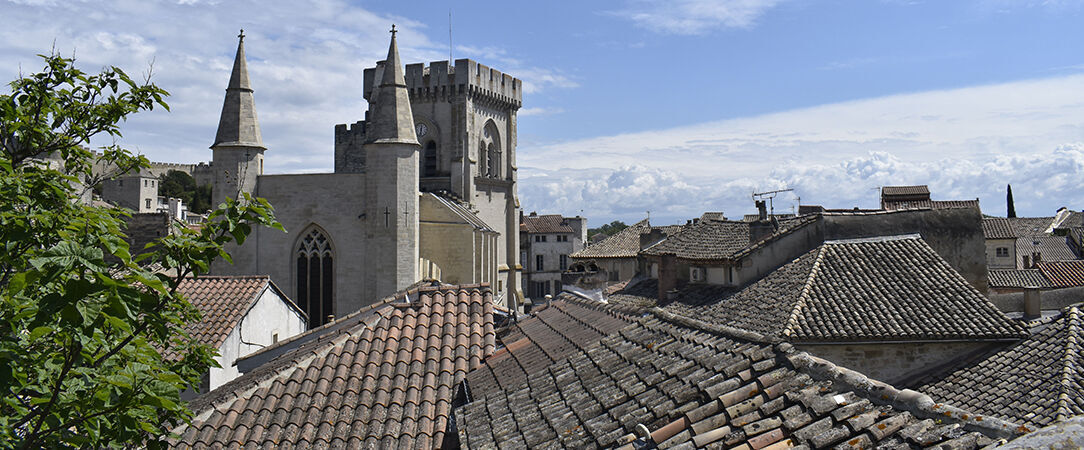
(489, 152)
(315, 276)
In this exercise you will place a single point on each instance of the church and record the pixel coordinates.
(424, 187)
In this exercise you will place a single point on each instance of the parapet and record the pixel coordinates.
(440, 78)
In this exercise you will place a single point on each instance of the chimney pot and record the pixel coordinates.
(1033, 303)
(762, 209)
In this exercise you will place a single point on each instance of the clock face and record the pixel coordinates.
(421, 129)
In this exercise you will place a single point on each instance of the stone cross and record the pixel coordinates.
(393, 30)
(242, 35)
(387, 213)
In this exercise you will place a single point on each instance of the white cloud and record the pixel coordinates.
(691, 17)
(539, 111)
(966, 143)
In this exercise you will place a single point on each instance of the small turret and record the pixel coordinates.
(238, 148)
(390, 118)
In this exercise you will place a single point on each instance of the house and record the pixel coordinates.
(1000, 237)
(677, 382)
(546, 241)
(240, 315)
(914, 197)
(615, 256)
(386, 376)
(1038, 381)
(888, 307)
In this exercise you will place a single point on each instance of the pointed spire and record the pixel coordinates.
(390, 117)
(238, 126)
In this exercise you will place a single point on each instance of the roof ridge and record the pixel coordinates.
(804, 296)
(1072, 347)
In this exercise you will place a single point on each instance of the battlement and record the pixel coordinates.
(465, 77)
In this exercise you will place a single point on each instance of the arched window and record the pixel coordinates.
(489, 151)
(429, 160)
(315, 276)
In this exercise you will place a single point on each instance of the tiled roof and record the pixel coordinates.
(931, 204)
(534, 343)
(222, 301)
(637, 295)
(1050, 248)
(997, 228)
(1011, 278)
(921, 189)
(1063, 273)
(385, 378)
(1038, 381)
(1030, 226)
(679, 384)
(892, 288)
(550, 223)
(715, 240)
(624, 243)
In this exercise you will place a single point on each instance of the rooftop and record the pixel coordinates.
(384, 377)
(1063, 273)
(672, 382)
(717, 240)
(550, 223)
(1012, 278)
(890, 288)
(1038, 381)
(624, 243)
(998, 228)
(223, 301)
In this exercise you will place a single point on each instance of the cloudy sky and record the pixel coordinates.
(674, 107)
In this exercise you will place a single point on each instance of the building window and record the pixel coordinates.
(1002, 252)
(315, 271)
(538, 263)
(562, 238)
(429, 160)
(696, 274)
(564, 262)
(540, 238)
(148, 203)
(489, 151)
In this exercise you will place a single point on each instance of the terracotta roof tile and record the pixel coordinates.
(1037, 381)
(824, 294)
(222, 301)
(550, 223)
(998, 228)
(1012, 278)
(1063, 273)
(675, 383)
(302, 394)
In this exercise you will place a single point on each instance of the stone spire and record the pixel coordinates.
(390, 118)
(238, 126)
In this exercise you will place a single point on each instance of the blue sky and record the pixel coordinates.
(673, 107)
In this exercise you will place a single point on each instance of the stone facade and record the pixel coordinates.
(547, 243)
(367, 230)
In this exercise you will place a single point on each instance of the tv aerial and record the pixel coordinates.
(770, 195)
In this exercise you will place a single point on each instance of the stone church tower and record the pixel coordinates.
(238, 148)
(465, 121)
(423, 188)
(391, 179)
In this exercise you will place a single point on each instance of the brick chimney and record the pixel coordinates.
(763, 227)
(1033, 303)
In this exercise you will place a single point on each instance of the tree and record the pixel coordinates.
(181, 185)
(82, 336)
(1009, 204)
(608, 229)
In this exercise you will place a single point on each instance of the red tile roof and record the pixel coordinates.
(384, 378)
(552, 223)
(1063, 273)
(532, 344)
(223, 301)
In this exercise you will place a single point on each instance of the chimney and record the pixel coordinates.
(762, 209)
(667, 277)
(651, 238)
(1027, 262)
(1033, 303)
(1036, 258)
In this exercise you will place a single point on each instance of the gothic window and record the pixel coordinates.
(315, 269)
(489, 151)
(429, 160)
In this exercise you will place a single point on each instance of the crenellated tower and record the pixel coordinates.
(238, 148)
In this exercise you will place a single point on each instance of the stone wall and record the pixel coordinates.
(1051, 299)
(146, 228)
(896, 363)
(1000, 262)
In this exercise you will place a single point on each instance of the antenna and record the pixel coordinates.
(450, 60)
(770, 195)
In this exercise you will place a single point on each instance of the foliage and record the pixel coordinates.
(608, 229)
(181, 185)
(83, 324)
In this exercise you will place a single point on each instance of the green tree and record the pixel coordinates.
(181, 185)
(608, 229)
(82, 336)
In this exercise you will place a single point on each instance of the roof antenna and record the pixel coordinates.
(450, 60)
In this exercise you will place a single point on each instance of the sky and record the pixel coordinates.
(632, 107)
